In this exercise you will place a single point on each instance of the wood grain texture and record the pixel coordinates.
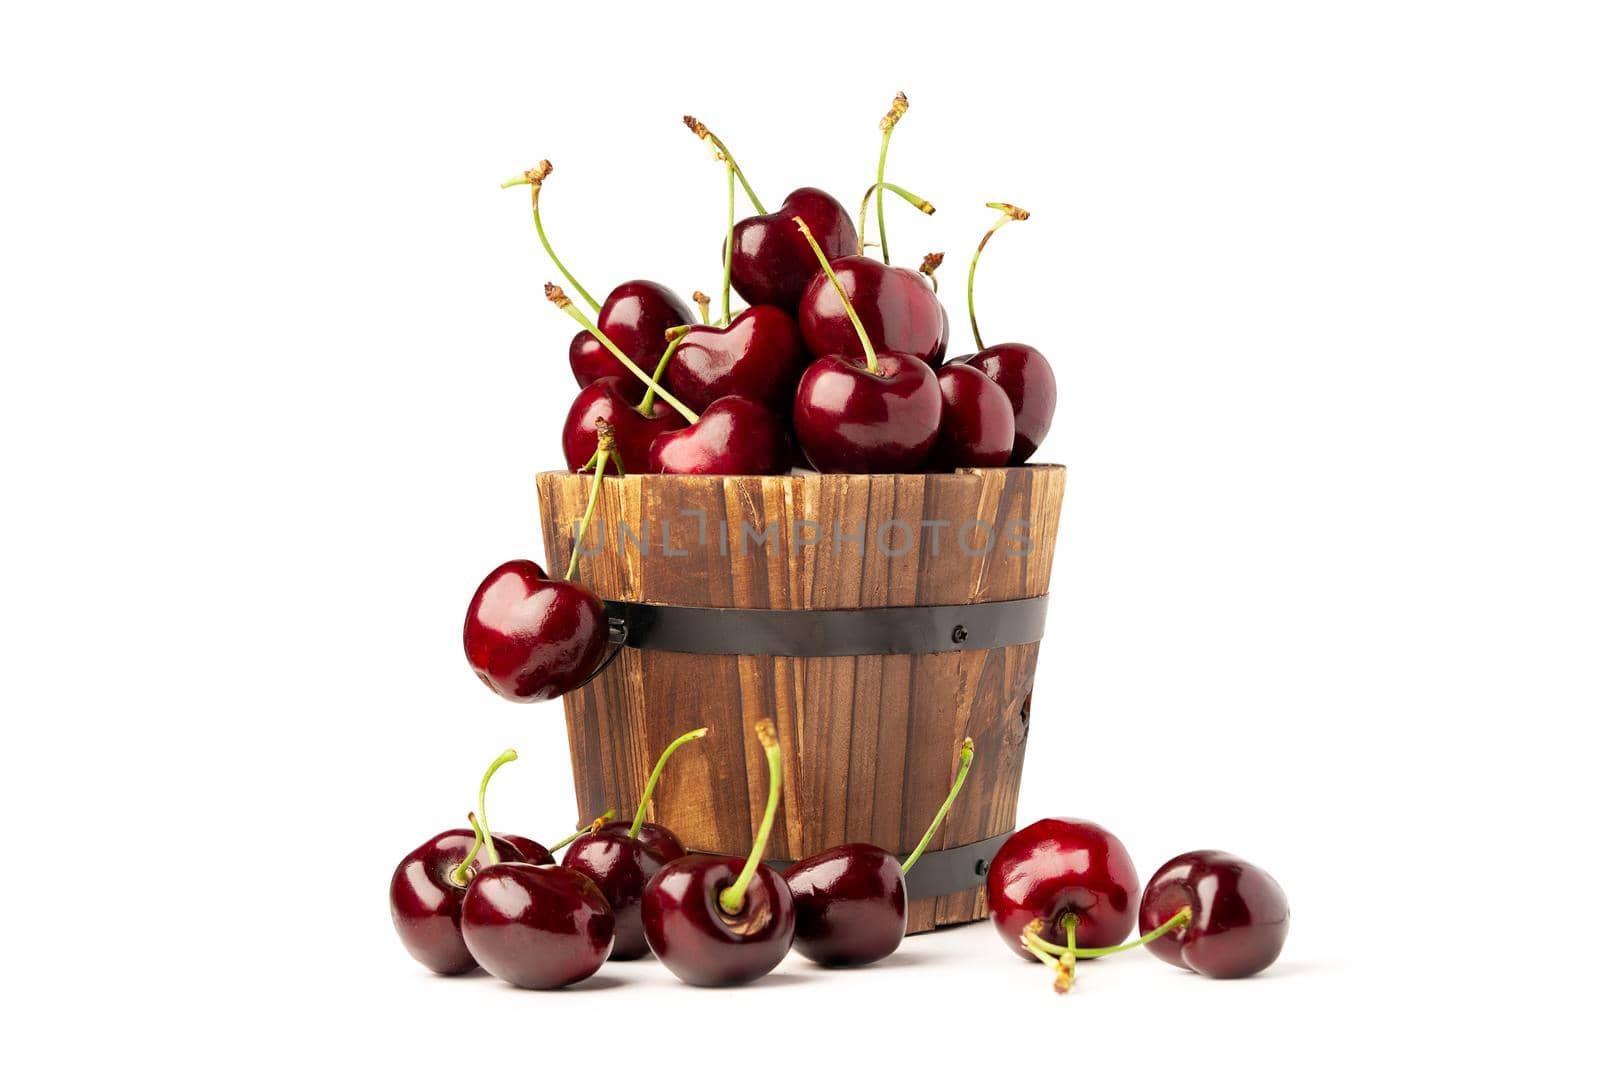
(869, 742)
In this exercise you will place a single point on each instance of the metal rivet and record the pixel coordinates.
(959, 634)
(982, 868)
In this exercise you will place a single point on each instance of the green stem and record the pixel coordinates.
(933, 828)
(535, 178)
(655, 776)
(887, 125)
(855, 320)
(601, 455)
(459, 874)
(587, 828)
(704, 134)
(554, 294)
(727, 251)
(675, 338)
(1179, 918)
(704, 303)
(878, 187)
(1010, 212)
(731, 899)
(483, 813)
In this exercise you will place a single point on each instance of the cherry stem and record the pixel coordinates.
(458, 874)
(930, 263)
(587, 828)
(675, 338)
(855, 320)
(602, 454)
(700, 131)
(1009, 212)
(560, 299)
(483, 813)
(933, 827)
(887, 125)
(655, 776)
(1179, 918)
(535, 178)
(704, 303)
(905, 194)
(731, 899)
(727, 248)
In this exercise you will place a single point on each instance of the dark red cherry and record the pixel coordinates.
(772, 263)
(976, 426)
(699, 942)
(733, 436)
(850, 905)
(1239, 915)
(758, 356)
(636, 316)
(1060, 867)
(852, 421)
(1025, 375)
(897, 307)
(607, 399)
(532, 851)
(536, 927)
(620, 867)
(532, 637)
(425, 901)
(655, 835)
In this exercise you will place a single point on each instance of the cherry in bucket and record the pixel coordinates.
(1237, 916)
(634, 315)
(1021, 370)
(850, 900)
(621, 865)
(879, 415)
(715, 923)
(428, 886)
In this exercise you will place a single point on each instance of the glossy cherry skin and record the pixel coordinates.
(1058, 867)
(655, 835)
(759, 356)
(733, 436)
(532, 637)
(976, 426)
(636, 316)
(1240, 914)
(772, 262)
(852, 421)
(532, 851)
(620, 867)
(688, 931)
(426, 905)
(607, 399)
(897, 308)
(849, 905)
(536, 927)
(1025, 375)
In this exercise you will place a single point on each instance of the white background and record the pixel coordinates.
(1319, 283)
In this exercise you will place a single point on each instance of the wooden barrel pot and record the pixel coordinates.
(878, 619)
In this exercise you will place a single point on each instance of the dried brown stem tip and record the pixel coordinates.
(702, 299)
(605, 438)
(766, 733)
(931, 262)
(697, 126)
(1018, 213)
(556, 296)
(896, 111)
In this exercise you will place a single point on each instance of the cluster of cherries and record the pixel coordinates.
(1059, 890)
(837, 364)
(624, 890)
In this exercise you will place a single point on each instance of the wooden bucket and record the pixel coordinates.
(807, 564)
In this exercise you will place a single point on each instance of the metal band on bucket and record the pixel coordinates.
(937, 874)
(845, 632)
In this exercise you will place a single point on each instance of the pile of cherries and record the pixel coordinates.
(1059, 890)
(837, 364)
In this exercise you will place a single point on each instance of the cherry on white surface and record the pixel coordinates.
(1318, 285)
